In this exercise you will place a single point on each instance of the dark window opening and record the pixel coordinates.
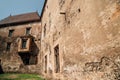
(28, 58)
(10, 33)
(8, 46)
(28, 31)
(45, 64)
(57, 60)
(25, 58)
(24, 42)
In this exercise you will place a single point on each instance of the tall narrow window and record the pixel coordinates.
(10, 33)
(8, 46)
(57, 61)
(44, 29)
(45, 64)
(28, 31)
(24, 42)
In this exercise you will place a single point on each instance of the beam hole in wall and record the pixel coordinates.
(79, 10)
(68, 22)
(59, 33)
(64, 13)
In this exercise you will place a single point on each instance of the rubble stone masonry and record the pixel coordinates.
(81, 39)
(12, 56)
(75, 40)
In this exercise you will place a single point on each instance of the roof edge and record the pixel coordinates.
(43, 9)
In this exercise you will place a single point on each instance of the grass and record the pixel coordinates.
(20, 77)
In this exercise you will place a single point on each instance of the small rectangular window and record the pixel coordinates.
(10, 33)
(8, 46)
(28, 31)
(24, 42)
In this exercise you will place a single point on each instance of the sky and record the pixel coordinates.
(15, 7)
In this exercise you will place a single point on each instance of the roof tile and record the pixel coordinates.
(20, 18)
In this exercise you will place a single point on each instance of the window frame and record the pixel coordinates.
(28, 31)
(24, 45)
(11, 33)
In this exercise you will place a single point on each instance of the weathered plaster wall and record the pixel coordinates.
(11, 60)
(87, 32)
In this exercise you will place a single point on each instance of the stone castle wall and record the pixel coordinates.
(87, 33)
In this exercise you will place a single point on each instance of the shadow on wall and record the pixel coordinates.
(30, 58)
(1, 70)
(34, 53)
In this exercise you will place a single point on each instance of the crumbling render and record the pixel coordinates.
(103, 66)
(61, 3)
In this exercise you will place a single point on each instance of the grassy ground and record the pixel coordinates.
(20, 77)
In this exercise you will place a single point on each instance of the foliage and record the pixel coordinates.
(20, 77)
